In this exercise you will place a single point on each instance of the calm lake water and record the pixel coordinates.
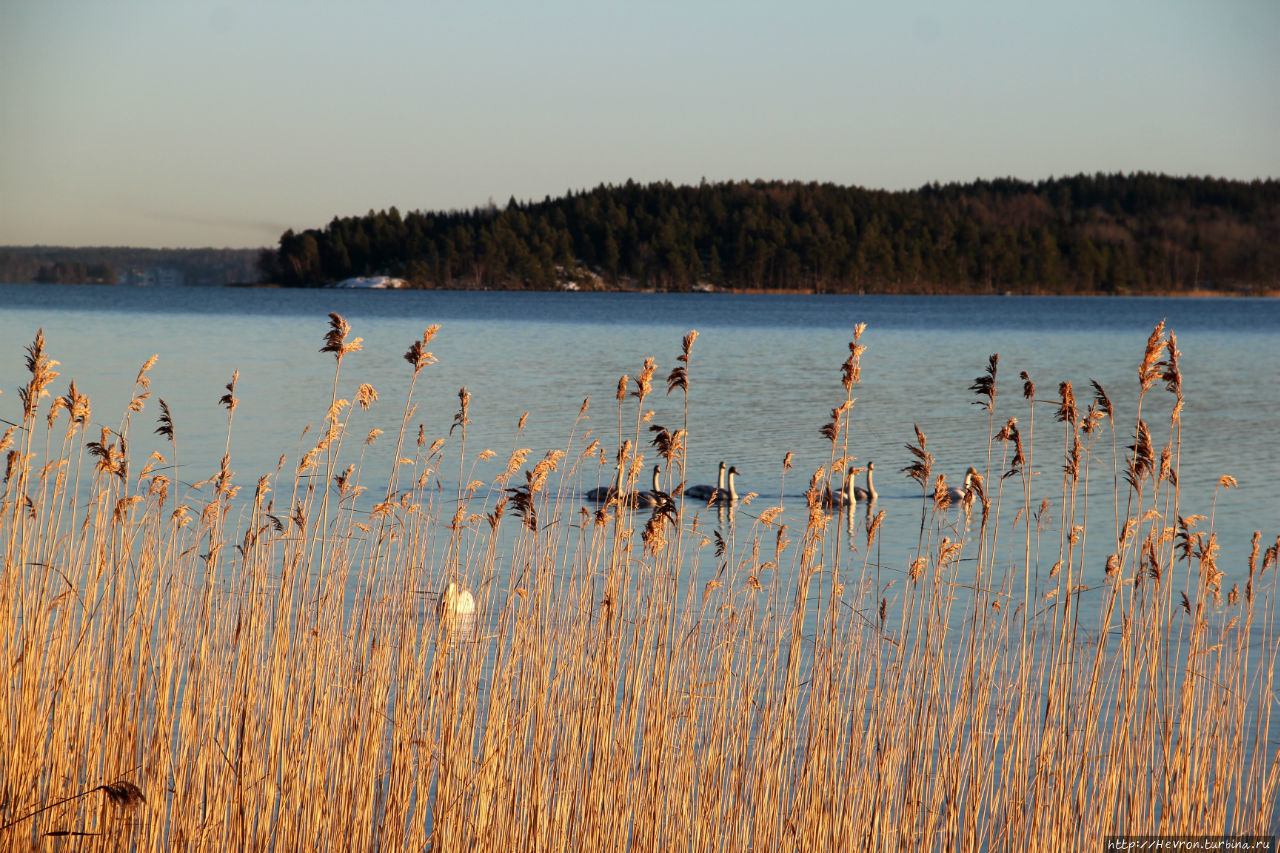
(765, 375)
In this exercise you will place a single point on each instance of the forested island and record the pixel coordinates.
(1104, 233)
(1088, 234)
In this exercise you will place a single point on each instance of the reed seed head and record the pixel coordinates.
(335, 340)
(228, 399)
(417, 355)
(985, 385)
(1067, 405)
(165, 421)
(644, 382)
(42, 373)
(123, 794)
(366, 396)
(921, 468)
(1149, 370)
(464, 405)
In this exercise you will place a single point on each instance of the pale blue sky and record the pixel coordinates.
(172, 123)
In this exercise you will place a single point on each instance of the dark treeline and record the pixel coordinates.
(75, 272)
(119, 264)
(1084, 234)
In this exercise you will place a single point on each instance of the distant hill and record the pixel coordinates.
(1104, 233)
(121, 265)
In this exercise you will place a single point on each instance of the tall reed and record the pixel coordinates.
(221, 667)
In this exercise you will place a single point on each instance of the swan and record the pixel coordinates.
(600, 494)
(705, 492)
(455, 601)
(845, 496)
(956, 493)
(655, 496)
(849, 493)
(729, 494)
(868, 494)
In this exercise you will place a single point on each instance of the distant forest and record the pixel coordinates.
(120, 265)
(1104, 233)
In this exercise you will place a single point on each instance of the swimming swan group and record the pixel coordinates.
(725, 491)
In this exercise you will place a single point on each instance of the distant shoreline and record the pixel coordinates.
(1198, 293)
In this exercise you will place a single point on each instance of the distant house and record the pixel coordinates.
(152, 276)
(374, 282)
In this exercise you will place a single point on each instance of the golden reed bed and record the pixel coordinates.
(218, 667)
